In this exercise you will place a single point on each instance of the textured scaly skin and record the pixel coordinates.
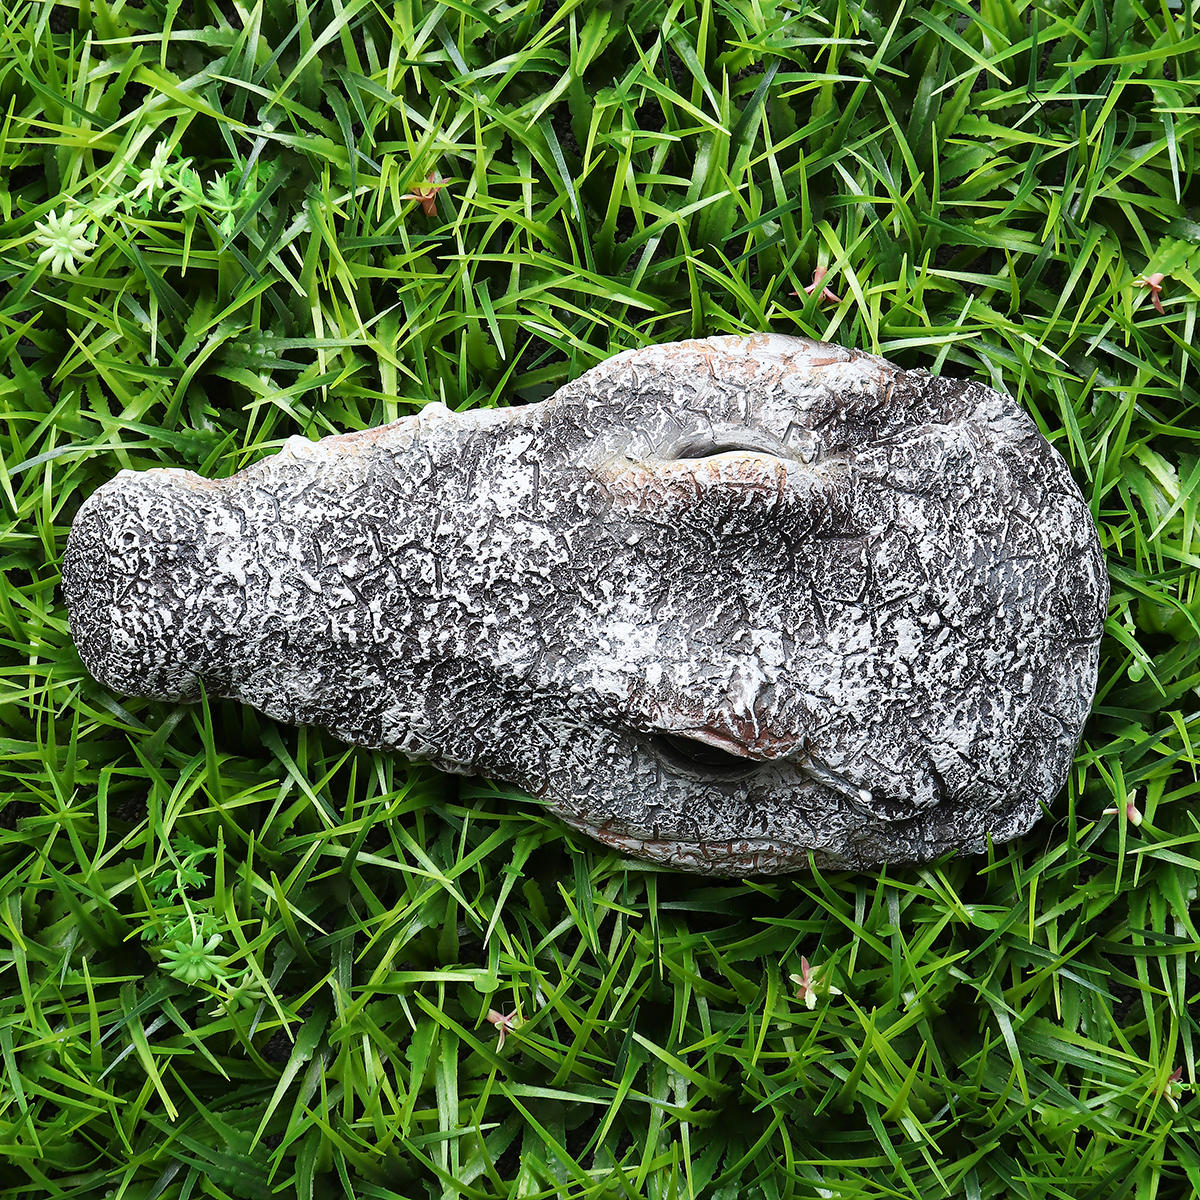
(721, 602)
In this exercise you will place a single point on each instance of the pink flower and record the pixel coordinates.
(828, 295)
(1154, 283)
(1173, 1088)
(505, 1022)
(1132, 813)
(427, 194)
(808, 985)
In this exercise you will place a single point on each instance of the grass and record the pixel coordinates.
(242, 960)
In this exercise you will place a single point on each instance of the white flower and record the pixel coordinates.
(154, 176)
(808, 985)
(65, 239)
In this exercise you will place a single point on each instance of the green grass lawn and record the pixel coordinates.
(243, 960)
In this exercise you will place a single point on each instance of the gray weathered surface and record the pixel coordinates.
(721, 602)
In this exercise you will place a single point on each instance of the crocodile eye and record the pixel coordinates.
(700, 760)
(746, 442)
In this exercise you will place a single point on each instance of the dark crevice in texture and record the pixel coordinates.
(701, 758)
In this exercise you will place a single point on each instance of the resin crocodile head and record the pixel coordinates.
(721, 603)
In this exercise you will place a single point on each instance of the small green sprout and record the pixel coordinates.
(194, 962)
(244, 993)
(154, 177)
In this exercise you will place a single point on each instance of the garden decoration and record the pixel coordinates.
(721, 603)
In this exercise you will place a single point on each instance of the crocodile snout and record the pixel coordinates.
(133, 576)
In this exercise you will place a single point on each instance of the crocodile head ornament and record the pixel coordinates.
(722, 603)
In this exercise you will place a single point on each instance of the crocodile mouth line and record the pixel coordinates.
(716, 855)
